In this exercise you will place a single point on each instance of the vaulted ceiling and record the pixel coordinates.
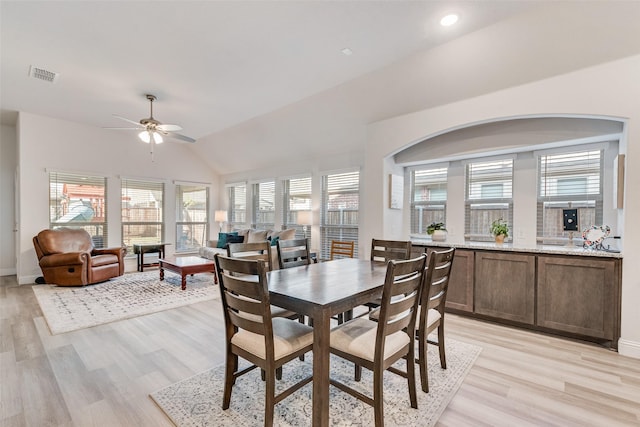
(221, 68)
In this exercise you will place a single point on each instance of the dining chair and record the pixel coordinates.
(341, 249)
(293, 253)
(259, 251)
(253, 334)
(385, 250)
(378, 345)
(431, 310)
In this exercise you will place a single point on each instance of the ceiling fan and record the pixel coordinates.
(153, 130)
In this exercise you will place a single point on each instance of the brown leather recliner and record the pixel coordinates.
(67, 258)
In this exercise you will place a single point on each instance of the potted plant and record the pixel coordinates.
(437, 231)
(500, 230)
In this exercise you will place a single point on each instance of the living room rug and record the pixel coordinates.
(197, 401)
(133, 294)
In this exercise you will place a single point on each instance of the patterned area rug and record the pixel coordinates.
(197, 401)
(133, 294)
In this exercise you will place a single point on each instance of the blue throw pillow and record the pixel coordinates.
(274, 241)
(223, 239)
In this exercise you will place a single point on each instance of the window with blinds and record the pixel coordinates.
(264, 205)
(297, 197)
(489, 188)
(78, 201)
(142, 212)
(570, 180)
(237, 217)
(428, 198)
(192, 216)
(340, 210)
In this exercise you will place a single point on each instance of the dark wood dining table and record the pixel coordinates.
(320, 291)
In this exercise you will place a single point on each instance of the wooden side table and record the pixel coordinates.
(146, 248)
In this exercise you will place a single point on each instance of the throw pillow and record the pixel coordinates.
(274, 240)
(223, 239)
(257, 236)
(233, 239)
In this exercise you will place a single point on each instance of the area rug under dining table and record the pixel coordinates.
(68, 308)
(197, 401)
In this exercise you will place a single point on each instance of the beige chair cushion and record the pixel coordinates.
(358, 337)
(433, 316)
(288, 337)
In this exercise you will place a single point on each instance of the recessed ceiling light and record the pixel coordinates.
(346, 51)
(449, 20)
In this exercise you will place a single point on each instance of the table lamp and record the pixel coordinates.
(220, 216)
(304, 219)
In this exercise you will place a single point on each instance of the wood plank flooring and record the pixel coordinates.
(102, 376)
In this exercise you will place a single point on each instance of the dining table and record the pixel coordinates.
(321, 291)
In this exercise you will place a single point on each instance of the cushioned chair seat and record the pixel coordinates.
(99, 260)
(358, 337)
(288, 337)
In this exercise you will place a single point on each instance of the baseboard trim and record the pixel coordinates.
(7, 271)
(629, 348)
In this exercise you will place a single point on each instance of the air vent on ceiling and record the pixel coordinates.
(42, 74)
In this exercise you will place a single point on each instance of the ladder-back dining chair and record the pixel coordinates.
(341, 249)
(431, 311)
(293, 253)
(378, 345)
(253, 334)
(386, 250)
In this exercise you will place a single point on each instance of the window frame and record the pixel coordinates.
(338, 231)
(143, 185)
(259, 214)
(193, 224)
(233, 213)
(304, 203)
(418, 226)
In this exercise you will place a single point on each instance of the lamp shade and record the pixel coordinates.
(220, 216)
(305, 218)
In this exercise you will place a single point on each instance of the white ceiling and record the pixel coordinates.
(261, 77)
(212, 64)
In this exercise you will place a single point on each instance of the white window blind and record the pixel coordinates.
(78, 201)
(142, 212)
(571, 180)
(340, 210)
(297, 197)
(428, 198)
(237, 194)
(489, 188)
(192, 216)
(264, 205)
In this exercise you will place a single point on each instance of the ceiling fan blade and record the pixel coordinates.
(138, 128)
(181, 137)
(169, 128)
(127, 120)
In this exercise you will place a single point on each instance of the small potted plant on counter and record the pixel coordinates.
(437, 231)
(500, 230)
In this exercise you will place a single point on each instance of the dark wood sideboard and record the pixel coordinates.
(576, 296)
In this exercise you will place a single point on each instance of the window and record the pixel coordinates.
(142, 212)
(488, 197)
(570, 180)
(297, 197)
(340, 206)
(192, 216)
(237, 206)
(428, 198)
(264, 205)
(78, 201)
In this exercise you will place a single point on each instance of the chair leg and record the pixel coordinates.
(422, 361)
(232, 362)
(378, 402)
(443, 357)
(279, 373)
(411, 378)
(269, 401)
(357, 374)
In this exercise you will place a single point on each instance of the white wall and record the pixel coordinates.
(50, 144)
(8, 164)
(609, 89)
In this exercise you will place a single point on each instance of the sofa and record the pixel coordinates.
(251, 235)
(67, 258)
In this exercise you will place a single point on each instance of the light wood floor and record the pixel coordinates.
(102, 376)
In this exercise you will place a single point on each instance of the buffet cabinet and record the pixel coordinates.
(577, 296)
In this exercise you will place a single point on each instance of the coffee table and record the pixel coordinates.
(187, 265)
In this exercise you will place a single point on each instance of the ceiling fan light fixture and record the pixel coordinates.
(144, 136)
(157, 138)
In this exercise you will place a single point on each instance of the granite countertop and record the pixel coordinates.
(508, 247)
